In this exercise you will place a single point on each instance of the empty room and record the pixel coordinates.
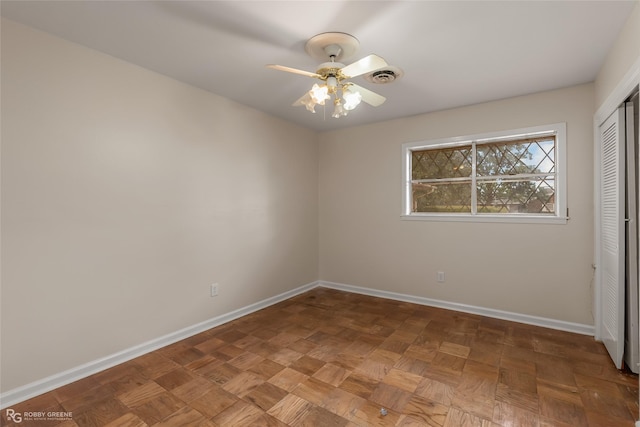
(304, 213)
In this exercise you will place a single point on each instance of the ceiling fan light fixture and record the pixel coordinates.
(351, 98)
(319, 94)
(335, 75)
(309, 103)
(338, 111)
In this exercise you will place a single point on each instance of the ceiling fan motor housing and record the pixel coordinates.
(330, 69)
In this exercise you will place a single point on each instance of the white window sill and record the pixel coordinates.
(516, 219)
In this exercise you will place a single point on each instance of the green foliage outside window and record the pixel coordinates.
(515, 176)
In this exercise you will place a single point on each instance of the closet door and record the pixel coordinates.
(612, 233)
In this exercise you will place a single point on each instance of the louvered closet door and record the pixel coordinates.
(612, 276)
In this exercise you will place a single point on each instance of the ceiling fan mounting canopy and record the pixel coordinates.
(333, 44)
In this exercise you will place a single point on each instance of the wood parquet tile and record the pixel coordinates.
(331, 358)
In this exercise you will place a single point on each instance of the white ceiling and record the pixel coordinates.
(453, 53)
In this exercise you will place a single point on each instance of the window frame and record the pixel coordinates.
(561, 211)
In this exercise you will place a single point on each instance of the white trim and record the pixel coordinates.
(559, 217)
(520, 219)
(44, 385)
(544, 322)
(621, 92)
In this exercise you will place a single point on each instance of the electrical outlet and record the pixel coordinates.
(440, 277)
(214, 289)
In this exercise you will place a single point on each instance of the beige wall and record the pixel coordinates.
(125, 194)
(535, 269)
(624, 53)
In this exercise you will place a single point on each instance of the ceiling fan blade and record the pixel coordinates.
(363, 66)
(293, 70)
(302, 100)
(368, 96)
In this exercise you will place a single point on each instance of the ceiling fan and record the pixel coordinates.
(335, 75)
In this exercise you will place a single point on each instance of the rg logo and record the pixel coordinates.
(13, 415)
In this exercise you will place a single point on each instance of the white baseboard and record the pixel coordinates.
(488, 312)
(44, 385)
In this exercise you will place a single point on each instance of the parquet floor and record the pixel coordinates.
(330, 358)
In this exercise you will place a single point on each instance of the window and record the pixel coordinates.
(513, 176)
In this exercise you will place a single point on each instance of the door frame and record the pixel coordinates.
(621, 92)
